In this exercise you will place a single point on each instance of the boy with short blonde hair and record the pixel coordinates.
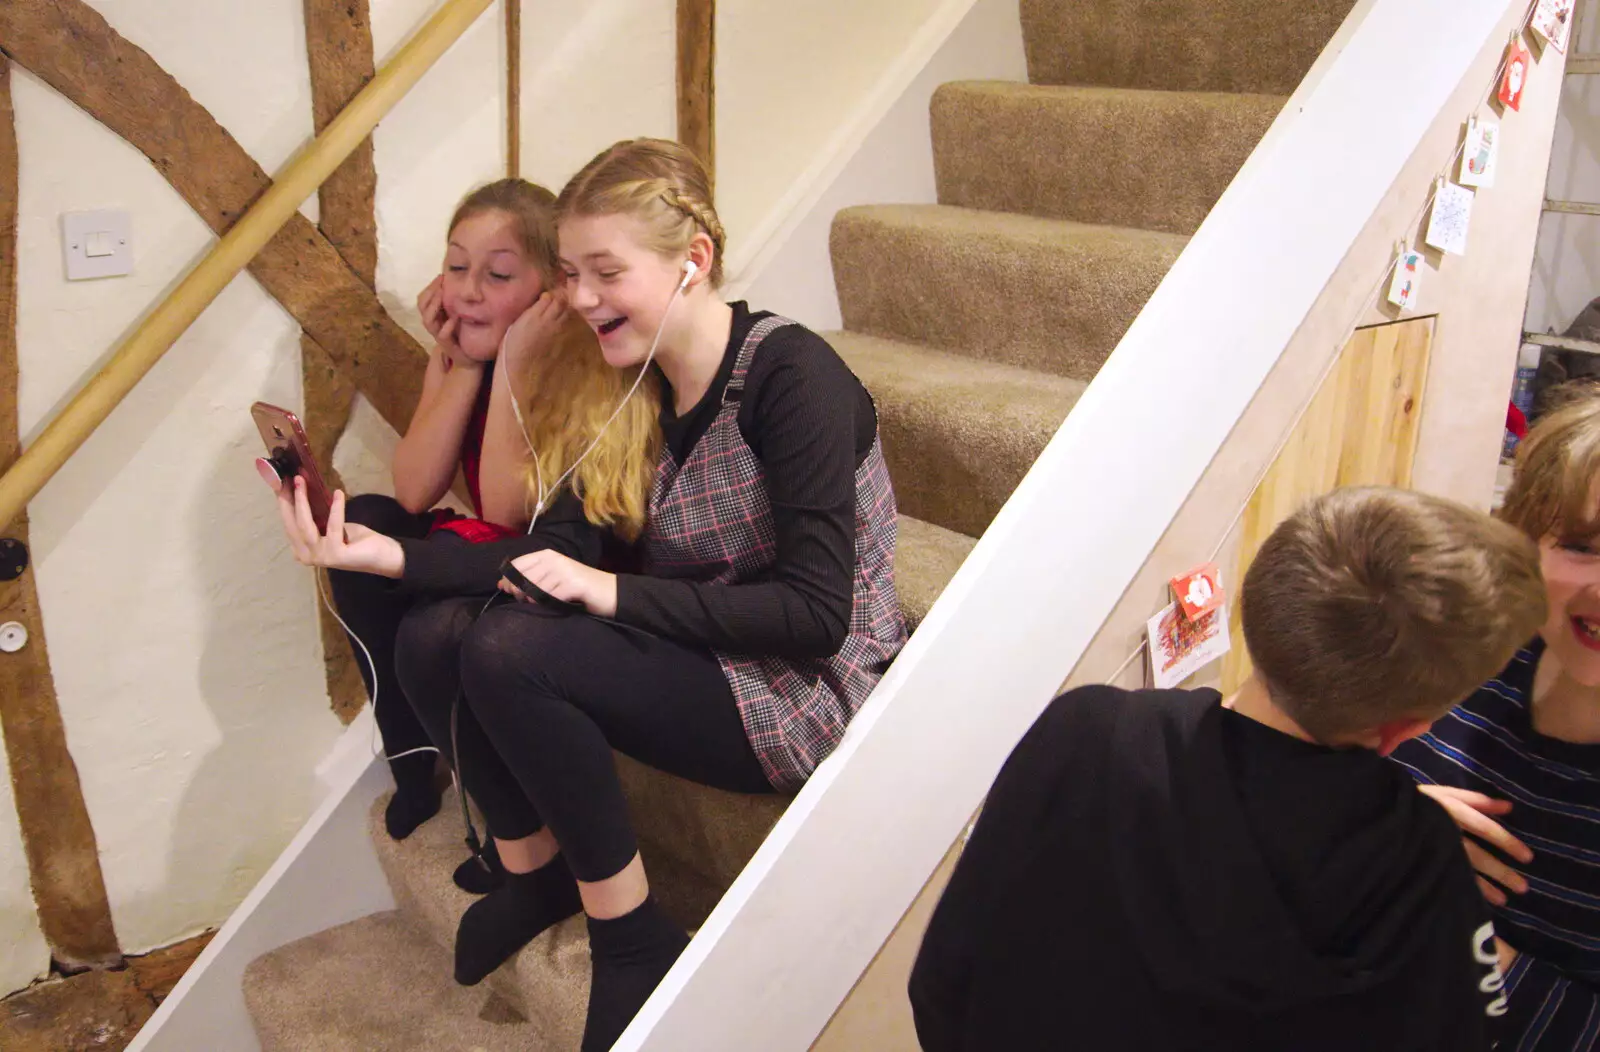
(1166, 870)
(1518, 763)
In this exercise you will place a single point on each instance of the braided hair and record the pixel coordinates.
(660, 182)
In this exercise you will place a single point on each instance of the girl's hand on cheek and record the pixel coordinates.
(534, 331)
(449, 350)
(430, 304)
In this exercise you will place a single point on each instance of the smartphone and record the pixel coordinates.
(288, 455)
(537, 594)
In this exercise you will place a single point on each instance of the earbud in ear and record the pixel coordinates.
(690, 267)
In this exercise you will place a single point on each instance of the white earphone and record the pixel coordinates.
(689, 269)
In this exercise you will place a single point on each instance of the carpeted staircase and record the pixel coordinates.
(976, 323)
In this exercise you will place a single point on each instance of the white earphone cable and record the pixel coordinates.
(690, 269)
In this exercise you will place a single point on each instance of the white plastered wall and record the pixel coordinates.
(592, 74)
(787, 80)
(787, 77)
(182, 636)
(184, 656)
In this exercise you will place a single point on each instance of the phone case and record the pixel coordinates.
(534, 592)
(289, 452)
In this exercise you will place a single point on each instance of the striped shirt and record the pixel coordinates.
(1488, 744)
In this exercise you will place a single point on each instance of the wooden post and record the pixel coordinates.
(513, 88)
(156, 334)
(69, 888)
(697, 59)
(340, 54)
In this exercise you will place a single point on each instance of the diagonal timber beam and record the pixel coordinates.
(263, 223)
(71, 47)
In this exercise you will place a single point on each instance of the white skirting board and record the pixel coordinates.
(328, 875)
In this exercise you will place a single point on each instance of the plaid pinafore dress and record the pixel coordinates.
(711, 521)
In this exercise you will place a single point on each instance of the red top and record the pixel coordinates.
(478, 530)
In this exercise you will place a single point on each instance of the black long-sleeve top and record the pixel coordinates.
(444, 564)
(1153, 871)
(811, 423)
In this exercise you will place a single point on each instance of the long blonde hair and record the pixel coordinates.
(657, 181)
(571, 392)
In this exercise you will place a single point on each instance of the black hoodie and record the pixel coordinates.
(1153, 871)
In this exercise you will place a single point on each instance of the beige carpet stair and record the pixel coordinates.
(939, 554)
(377, 983)
(386, 981)
(959, 433)
(1185, 45)
(547, 983)
(1044, 294)
(1156, 160)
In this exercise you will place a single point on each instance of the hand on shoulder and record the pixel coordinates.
(534, 331)
(1471, 813)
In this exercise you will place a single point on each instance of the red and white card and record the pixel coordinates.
(1199, 591)
(1180, 647)
(1518, 61)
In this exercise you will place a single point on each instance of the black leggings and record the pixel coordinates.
(546, 696)
(373, 609)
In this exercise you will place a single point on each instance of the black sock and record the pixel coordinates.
(508, 918)
(481, 873)
(416, 798)
(632, 954)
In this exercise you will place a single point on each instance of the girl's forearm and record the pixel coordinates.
(428, 455)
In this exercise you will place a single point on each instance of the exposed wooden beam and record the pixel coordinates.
(262, 224)
(697, 60)
(329, 394)
(69, 46)
(1565, 343)
(339, 51)
(58, 839)
(1577, 208)
(340, 54)
(513, 87)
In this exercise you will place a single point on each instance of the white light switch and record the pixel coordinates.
(97, 244)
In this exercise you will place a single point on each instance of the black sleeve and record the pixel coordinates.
(444, 564)
(1466, 985)
(804, 411)
(1004, 847)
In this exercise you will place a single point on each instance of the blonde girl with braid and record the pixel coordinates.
(763, 615)
(513, 394)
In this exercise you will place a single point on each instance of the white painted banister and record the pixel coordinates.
(789, 939)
